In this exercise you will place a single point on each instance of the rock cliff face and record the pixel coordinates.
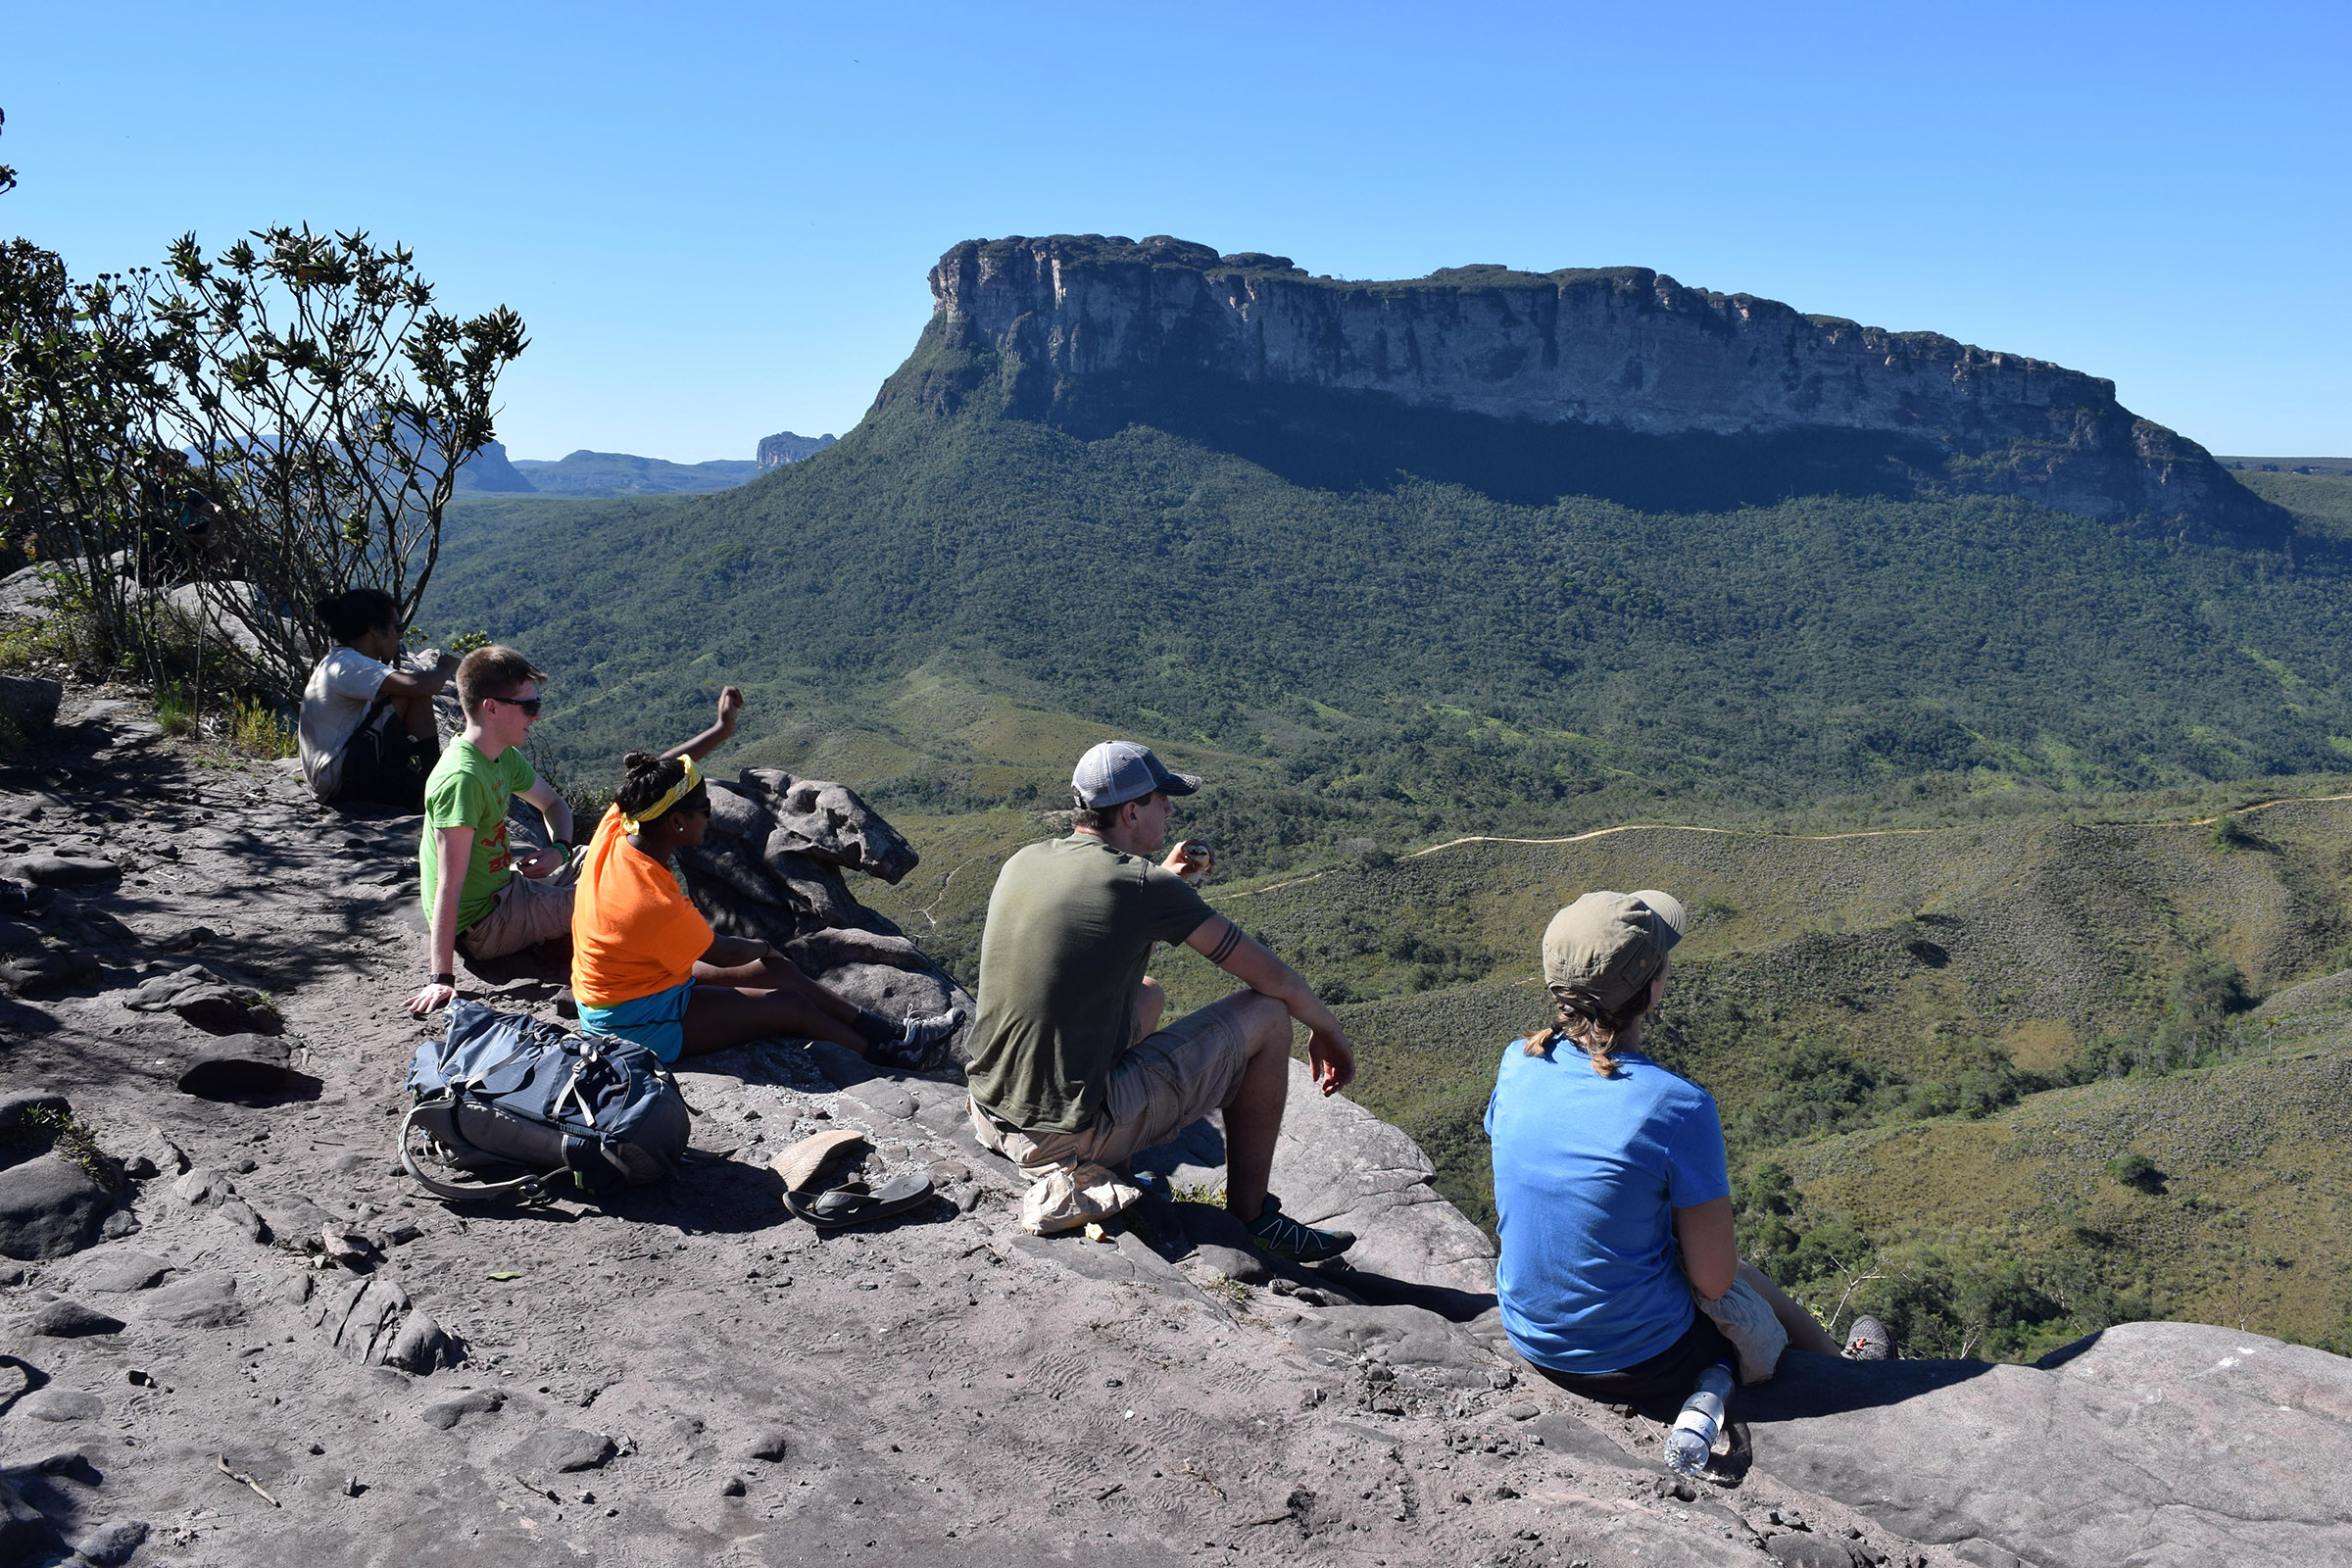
(491, 471)
(784, 447)
(1620, 350)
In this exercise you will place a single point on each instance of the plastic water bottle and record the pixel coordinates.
(1692, 1436)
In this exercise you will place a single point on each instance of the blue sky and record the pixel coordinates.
(716, 219)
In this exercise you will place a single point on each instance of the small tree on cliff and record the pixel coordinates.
(332, 406)
(298, 396)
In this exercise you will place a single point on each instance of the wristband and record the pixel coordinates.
(446, 978)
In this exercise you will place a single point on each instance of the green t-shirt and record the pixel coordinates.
(1069, 927)
(471, 790)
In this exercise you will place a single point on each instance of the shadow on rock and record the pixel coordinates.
(1810, 1386)
(708, 1197)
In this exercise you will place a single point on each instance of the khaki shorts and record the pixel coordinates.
(527, 913)
(1166, 1081)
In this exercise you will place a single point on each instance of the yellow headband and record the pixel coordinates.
(669, 798)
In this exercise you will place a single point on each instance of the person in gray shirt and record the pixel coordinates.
(1071, 1072)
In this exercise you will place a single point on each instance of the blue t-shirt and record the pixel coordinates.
(1588, 1172)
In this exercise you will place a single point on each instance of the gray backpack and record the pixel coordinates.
(527, 1108)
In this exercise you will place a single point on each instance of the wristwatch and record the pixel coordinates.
(446, 978)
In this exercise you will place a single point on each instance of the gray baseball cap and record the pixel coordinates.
(1115, 773)
(1610, 945)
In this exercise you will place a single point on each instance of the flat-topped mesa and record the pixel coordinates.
(1622, 349)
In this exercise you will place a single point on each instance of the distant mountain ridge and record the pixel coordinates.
(587, 474)
(619, 473)
(1418, 620)
(1091, 331)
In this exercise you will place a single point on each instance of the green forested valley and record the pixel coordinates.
(1995, 930)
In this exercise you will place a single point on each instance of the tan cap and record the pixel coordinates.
(1610, 945)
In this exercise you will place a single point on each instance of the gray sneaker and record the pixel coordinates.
(1277, 1235)
(1869, 1341)
(922, 1042)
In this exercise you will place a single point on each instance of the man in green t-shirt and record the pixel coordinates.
(472, 896)
(1071, 1073)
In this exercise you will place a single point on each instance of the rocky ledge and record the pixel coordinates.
(1620, 349)
(236, 1336)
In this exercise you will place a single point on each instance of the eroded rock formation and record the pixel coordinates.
(772, 868)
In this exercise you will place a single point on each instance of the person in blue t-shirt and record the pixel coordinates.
(1612, 1196)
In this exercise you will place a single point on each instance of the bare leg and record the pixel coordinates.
(1149, 1003)
(775, 972)
(1253, 1115)
(417, 716)
(719, 1016)
(1805, 1332)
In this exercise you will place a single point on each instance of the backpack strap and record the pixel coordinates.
(530, 1185)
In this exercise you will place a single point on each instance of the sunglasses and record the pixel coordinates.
(529, 704)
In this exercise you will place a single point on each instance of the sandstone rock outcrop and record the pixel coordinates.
(784, 447)
(772, 868)
(1066, 318)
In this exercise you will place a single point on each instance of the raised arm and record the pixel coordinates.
(1258, 967)
(730, 704)
(421, 682)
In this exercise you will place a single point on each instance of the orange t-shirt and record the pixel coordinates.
(634, 932)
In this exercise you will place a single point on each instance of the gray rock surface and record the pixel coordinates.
(109, 1542)
(27, 701)
(201, 1301)
(561, 1450)
(371, 1320)
(473, 1404)
(1338, 1166)
(2152, 1443)
(68, 1319)
(49, 1207)
(118, 1273)
(236, 1064)
(14, 1104)
(60, 870)
(24, 1534)
(59, 1405)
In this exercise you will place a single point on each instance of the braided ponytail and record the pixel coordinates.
(1577, 1017)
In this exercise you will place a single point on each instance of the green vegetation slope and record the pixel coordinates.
(1934, 1034)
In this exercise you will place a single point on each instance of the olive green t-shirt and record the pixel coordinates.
(1069, 927)
(469, 790)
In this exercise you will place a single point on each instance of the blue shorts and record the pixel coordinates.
(656, 1022)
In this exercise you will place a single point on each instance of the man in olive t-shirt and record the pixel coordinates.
(1071, 1073)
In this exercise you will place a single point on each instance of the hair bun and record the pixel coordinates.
(640, 762)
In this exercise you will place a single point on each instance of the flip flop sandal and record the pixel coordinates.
(854, 1204)
(802, 1163)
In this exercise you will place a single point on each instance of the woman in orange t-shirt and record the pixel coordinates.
(645, 966)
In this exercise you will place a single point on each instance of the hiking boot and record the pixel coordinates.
(921, 1041)
(1869, 1341)
(1277, 1235)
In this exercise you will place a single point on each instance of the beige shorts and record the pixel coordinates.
(527, 913)
(1166, 1081)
